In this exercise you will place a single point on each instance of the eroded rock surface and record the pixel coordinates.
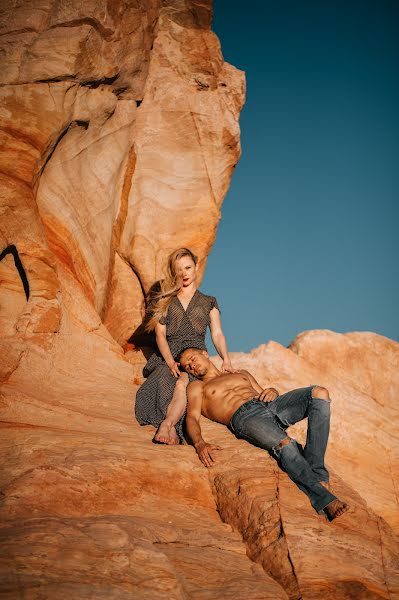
(357, 555)
(112, 515)
(119, 134)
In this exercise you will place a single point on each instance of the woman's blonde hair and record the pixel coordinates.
(170, 286)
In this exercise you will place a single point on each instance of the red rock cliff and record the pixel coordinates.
(119, 129)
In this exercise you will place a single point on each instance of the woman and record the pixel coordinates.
(179, 314)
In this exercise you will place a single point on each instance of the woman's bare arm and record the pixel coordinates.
(219, 339)
(160, 334)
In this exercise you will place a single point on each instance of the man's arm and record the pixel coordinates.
(267, 394)
(204, 450)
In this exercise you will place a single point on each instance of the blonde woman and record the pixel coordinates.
(180, 315)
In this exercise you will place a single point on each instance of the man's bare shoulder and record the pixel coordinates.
(244, 372)
(195, 386)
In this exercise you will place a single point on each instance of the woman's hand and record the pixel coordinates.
(227, 367)
(174, 367)
(268, 395)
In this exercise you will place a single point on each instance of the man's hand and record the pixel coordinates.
(206, 452)
(268, 395)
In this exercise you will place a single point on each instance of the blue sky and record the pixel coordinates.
(309, 231)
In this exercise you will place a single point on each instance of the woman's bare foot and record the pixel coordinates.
(335, 509)
(162, 435)
(173, 439)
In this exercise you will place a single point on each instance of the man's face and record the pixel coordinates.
(195, 362)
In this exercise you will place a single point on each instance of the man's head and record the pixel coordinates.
(195, 361)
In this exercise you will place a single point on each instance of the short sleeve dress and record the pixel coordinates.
(184, 329)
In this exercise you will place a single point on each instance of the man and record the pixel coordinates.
(261, 417)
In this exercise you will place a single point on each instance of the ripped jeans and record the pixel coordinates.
(263, 424)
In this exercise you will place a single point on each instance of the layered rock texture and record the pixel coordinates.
(119, 135)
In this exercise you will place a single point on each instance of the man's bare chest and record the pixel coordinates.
(223, 384)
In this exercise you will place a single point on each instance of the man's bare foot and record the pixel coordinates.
(327, 485)
(173, 439)
(335, 509)
(162, 435)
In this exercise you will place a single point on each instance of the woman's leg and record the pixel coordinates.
(166, 433)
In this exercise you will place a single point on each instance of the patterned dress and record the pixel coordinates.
(184, 329)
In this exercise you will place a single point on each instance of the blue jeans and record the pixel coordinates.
(264, 424)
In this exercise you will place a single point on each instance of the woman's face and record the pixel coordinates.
(186, 270)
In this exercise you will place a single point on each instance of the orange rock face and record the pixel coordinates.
(119, 134)
(362, 458)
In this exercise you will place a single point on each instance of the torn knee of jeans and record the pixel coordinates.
(276, 449)
(319, 393)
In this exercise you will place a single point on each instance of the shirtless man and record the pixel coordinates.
(261, 417)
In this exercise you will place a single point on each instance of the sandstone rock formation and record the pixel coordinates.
(119, 131)
(120, 135)
(94, 509)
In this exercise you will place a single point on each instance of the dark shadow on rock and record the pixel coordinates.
(142, 340)
(19, 266)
